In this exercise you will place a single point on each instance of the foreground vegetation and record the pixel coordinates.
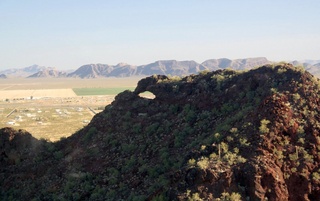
(221, 135)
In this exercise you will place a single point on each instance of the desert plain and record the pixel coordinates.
(53, 108)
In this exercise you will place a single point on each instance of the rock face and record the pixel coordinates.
(144, 84)
(224, 135)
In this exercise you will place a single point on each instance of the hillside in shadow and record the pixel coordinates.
(221, 135)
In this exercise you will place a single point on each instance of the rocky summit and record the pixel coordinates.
(221, 135)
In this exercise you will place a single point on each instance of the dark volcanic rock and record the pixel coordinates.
(144, 84)
(218, 135)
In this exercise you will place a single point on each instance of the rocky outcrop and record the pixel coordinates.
(269, 172)
(224, 135)
(146, 83)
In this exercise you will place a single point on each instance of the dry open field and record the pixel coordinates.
(62, 83)
(49, 108)
(57, 87)
(37, 93)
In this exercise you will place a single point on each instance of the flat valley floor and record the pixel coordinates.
(49, 108)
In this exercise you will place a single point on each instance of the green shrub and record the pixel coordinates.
(296, 97)
(203, 163)
(58, 155)
(230, 197)
(195, 197)
(316, 176)
(160, 198)
(294, 157)
(92, 131)
(244, 142)
(263, 127)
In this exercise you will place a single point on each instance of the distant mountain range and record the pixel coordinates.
(24, 72)
(3, 76)
(163, 67)
(48, 73)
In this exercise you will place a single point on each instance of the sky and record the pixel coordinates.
(67, 34)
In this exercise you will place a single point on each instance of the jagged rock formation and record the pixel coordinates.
(218, 135)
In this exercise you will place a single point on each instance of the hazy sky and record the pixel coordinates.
(69, 33)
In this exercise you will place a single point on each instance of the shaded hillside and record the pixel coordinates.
(122, 70)
(91, 71)
(48, 73)
(218, 135)
(3, 76)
